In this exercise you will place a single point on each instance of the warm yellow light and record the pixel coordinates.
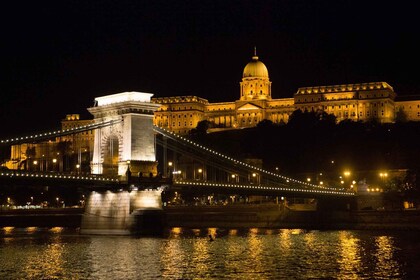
(347, 173)
(200, 170)
(308, 179)
(35, 162)
(254, 175)
(170, 163)
(77, 165)
(233, 175)
(383, 174)
(54, 160)
(321, 183)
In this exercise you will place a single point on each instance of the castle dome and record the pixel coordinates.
(255, 68)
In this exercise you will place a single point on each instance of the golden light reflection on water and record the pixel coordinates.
(45, 264)
(56, 229)
(8, 230)
(309, 240)
(385, 257)
(173, 256)
(176, 231)
(233, 232)
(200, 256)
(350, 261)
(189, 254)
(285, 241)
(255, 248)
(212, 232)
(31, 229)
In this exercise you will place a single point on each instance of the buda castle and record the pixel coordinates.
(181, 114)
(357, 102)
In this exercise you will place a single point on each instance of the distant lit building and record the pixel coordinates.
(66, 153)
(409, 106)
(357, 102)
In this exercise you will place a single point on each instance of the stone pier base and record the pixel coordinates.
(117, 213)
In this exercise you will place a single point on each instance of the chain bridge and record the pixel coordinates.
(130, 157)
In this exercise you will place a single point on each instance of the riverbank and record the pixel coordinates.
(48, 217)
(234, 216)
(277, 216)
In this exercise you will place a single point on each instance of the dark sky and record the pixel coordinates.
(57, 56)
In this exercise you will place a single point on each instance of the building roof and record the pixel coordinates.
(344, 88)
(255, 68)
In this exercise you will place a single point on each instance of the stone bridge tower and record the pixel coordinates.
(129, 143)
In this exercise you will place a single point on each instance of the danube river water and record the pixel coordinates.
(58, 253)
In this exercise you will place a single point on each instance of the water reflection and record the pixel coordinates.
(385, 265)
(350, 251)
(189, 254)
(255, 250)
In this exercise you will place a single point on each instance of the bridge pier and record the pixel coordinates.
(123, 213)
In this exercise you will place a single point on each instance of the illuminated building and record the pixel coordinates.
(357, 102)
(409, 106)
(181, 114)
(67, 153)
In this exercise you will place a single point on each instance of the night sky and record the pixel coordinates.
(57, 56)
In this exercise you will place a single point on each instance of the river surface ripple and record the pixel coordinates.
(58, 253)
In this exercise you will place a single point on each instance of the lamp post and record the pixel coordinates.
(200, 173)
(54, 161)
(170, 169)
(78, 169)
(383, 176)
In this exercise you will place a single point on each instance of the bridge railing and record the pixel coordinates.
(230, 164)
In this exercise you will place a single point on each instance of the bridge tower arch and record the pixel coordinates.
(129, 142)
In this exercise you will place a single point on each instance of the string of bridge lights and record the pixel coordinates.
(260, 187)
(59, 132)
(287, 179)
(56, 176)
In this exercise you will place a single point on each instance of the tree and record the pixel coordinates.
(64, 148)
(202, 127)
(400, 116)
(265, 124)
